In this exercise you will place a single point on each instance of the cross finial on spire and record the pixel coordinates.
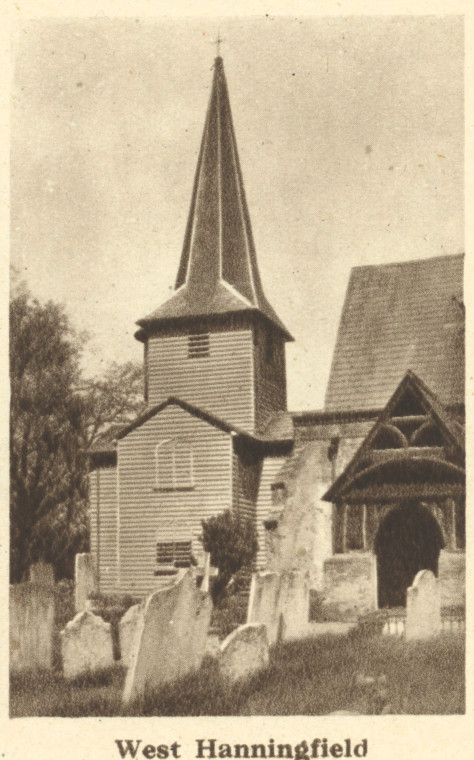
(218, 44)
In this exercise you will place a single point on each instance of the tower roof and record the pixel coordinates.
(218, 271)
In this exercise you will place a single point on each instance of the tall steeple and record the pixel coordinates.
(218, 271)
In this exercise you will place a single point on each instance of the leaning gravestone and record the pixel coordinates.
(84, 580)
(128, 625)
(86, 645)
(423, 607)
(244, 651)
(170, 640)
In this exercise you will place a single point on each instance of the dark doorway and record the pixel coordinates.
(408, 540)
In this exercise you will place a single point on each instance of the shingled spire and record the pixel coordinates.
(218, 271)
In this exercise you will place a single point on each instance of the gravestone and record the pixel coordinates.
(86, 645)
(293, 604)
(263, 602)
(128, 626)
(244, 651)
(32, 609)
(423, 607)
(202, 603)
(171, 637)
(42, 573)
(281, 602)
(84, 580)
(207, 572)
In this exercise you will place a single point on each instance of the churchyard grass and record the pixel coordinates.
(307, 677)
(49, 693)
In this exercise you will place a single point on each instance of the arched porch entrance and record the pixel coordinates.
(409, 539)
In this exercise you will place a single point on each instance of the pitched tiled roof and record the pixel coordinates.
(212, 419)
(398, 317)
(107, 441)
(218, 271)
(279, 426)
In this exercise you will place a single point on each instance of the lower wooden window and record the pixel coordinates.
(173, 553)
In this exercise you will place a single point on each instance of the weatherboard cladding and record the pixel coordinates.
(398, 317)
(269, 375)
(221, 382)
(103, 525)
(148, 515)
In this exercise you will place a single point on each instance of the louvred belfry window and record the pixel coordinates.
(174, 465)
(198, 346)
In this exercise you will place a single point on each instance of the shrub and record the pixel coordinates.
(230, 613)
(232, 543)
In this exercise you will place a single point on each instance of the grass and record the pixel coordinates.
(310, 677)
(49, 693)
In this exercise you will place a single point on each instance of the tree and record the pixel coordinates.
(232, 543)
(48, 465)
(113, 400)
(55, 417)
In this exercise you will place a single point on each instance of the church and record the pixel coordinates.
(359, 495)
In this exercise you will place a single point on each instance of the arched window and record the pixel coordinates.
(174, 469)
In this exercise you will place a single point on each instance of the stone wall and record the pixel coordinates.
(452, 578)
(293, 545)
(350, 585)
(303, 539)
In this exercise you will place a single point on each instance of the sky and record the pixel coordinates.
(350, 136)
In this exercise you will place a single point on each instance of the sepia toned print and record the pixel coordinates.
(185, 540)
